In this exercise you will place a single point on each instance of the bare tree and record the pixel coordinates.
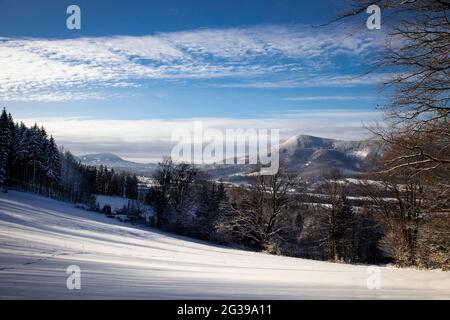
(416, 54)
(262, 214)
(433, 250)
(182, 180)
(173, 183)
(401, 203)
(161, 195)
(336, 222)
(415, 168)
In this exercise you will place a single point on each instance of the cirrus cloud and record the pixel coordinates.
(247, 56)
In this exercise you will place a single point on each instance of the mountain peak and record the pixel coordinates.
(307, 141)
(312, 155)
(101, 157)
(112, 160)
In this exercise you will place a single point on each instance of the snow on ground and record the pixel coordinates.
(40, 238)
(116, 203)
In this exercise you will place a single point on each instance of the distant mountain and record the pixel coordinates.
(313, 156)
(108, 159)
(309, 156)
(113, 161)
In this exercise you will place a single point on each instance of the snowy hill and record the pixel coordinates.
(307, 155)
(103, 158)
(312, 156)
(116, 203)
(113, 161)
(40, 238)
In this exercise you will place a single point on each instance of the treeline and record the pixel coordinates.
(185, 200)
(111, 183)
(31, 160)
(390, 222)
(271, 214)
(399, 216)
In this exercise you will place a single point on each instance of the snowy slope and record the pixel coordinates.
(40, 238)
(313, 156)
(116, 203)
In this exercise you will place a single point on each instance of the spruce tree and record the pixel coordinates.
(5, 143)
(53, 163)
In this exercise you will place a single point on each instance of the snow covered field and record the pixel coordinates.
(40, 238)
(116, 203)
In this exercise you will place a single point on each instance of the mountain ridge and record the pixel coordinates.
(114, 161)
(307, 155)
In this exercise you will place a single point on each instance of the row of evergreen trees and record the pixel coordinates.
(28, 156)
(31, 160)
(113, 183)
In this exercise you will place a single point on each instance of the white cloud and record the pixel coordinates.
(328, 98)
(32, 65)
(56, 97)
(311, 80)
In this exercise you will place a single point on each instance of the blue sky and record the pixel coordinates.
(158, 65)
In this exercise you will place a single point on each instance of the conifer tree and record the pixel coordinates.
(5, 143)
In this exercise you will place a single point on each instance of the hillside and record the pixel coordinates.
(113, 161)
(311, 157)
(40, 238)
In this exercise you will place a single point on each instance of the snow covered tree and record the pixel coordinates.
(208, 197)
(260, 216)
(335, 222)
(53, 163)
(130, 184)
(345, 230)
(163, 177)
(415, 167)
(170, 196)
(29, 159)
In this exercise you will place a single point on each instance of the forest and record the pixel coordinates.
(397, 220)
(31, 160)
(402, 218)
